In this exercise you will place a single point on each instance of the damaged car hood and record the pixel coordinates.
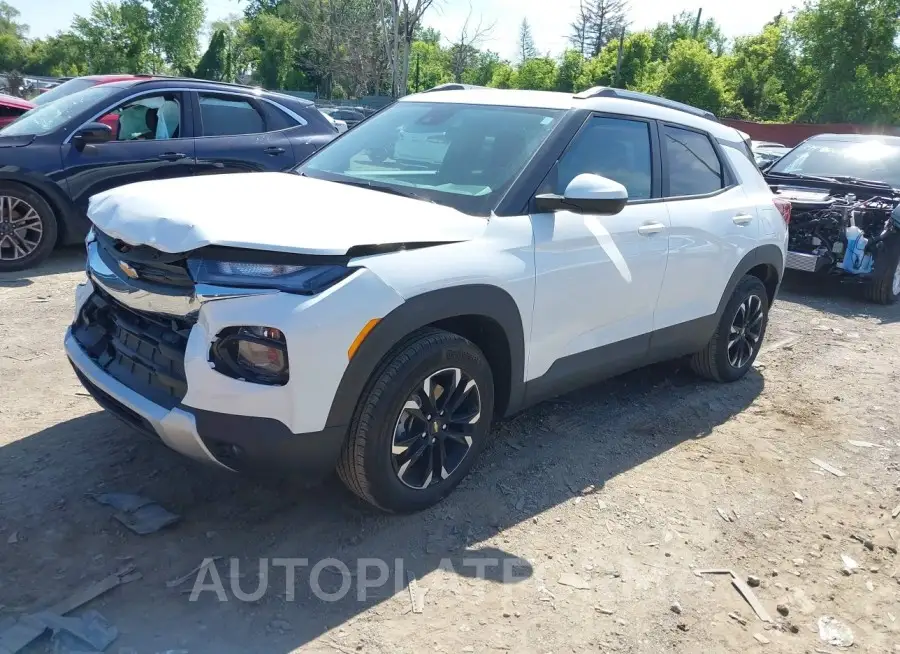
(272, 211)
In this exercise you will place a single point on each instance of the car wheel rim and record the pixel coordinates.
(21, 229)
(435, 429)
(746, 331)
(896, 285)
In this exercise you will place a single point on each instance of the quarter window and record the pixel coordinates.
(229, 116)
(693, 166)
(616, 148)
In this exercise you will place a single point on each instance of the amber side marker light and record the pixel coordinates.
(368, 327)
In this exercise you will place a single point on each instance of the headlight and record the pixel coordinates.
(91, 237)
(306, 280)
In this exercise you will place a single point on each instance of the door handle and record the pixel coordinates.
(650, 228)
(172, 156)
(274, 150)
(742, 219)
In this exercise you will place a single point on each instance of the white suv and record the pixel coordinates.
(376, 314)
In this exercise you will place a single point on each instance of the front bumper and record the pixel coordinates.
(233, 442)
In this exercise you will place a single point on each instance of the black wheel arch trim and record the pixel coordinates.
(480, 300)
(767, 255)
(70, 228)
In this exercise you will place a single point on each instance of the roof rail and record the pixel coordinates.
(623, 94)
(149, 77)
(453, 86)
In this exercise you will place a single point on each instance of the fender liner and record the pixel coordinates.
(480, 300)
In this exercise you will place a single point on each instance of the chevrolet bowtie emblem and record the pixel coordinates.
(128, 269)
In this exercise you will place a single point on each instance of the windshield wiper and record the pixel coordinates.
(846, 179)
(814, 178)
(384, 189)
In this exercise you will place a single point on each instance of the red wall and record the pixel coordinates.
(791, 134)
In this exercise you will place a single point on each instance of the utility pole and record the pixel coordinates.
(417, 72)
(697, 23)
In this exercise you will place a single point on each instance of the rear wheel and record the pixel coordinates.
(421, 423)
(885, 285)
(27, 227)
(738, 336)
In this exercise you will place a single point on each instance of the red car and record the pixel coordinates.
(79, 84)
(11, 108)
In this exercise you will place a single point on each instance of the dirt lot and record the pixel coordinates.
(619, 491)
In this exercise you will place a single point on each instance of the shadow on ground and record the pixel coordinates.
(537, 460)
(63, 260)
(829, 294)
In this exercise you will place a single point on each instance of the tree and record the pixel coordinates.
(848, 57)
(580, 27)
(527, 49)
(273, 39)
(505, 77)
(634, 72)
(692, 75)
(761, 73)
(570, 68)
(215, 62)
(537, 73)
(241, 53)
(12, 39)
(464, 49)
(606, 19)
(176, 28)
(116, 38)
(683, 26)
(58, 56)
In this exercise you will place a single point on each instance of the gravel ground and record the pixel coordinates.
(604, 505)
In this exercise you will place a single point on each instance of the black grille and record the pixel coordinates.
(150, 265)
(143, 351)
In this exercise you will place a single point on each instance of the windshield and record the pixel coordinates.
(64, 89)
(462, 156)
(50, 117)
(870, 160)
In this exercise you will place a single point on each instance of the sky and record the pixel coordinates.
(549, 19)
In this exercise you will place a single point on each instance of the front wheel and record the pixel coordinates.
(739, 335)
(27, 227)
(420, 424)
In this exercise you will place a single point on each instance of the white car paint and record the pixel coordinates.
(579, 282)
(283, 212)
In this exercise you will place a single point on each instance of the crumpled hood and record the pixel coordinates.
(271, 211)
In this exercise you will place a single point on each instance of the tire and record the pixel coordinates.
(372, 461)
(885, 285)
(24, 202)
(717, 361)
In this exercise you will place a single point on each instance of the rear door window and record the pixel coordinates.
(229, 116)
(692, 163)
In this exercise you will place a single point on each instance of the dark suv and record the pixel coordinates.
(56, 156)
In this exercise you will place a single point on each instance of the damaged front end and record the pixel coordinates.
(839, 232)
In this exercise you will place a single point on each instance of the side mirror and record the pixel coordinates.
(587, 193)
(91, 133)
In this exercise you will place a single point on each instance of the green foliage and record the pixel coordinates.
(538, 73)
(834, 61)
(848, 60)
(274, 40)
(691, 75)
(504, 77)
(176, 27)
(665, 35)
(215, 63)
